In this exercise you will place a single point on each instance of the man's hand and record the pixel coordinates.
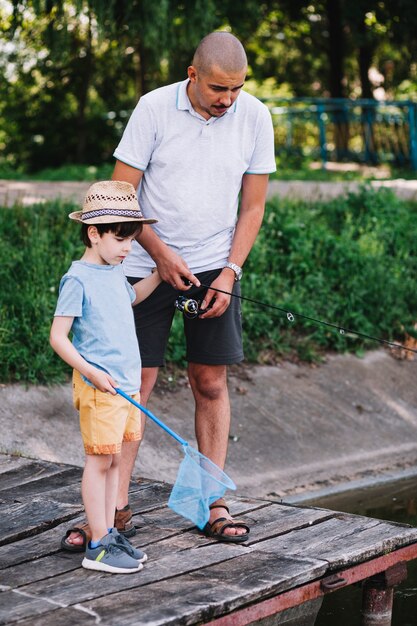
(215, 302)
(174, 270)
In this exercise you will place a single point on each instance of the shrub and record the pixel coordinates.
(351, 262)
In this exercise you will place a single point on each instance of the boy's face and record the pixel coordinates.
(108, 248)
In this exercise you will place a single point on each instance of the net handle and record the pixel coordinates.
(166, 428)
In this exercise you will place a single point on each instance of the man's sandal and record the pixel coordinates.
(84, 531)
(216, 529)
(122, 521)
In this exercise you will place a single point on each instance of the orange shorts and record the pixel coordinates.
(105, 420)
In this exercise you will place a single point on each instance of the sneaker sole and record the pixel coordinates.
(103, 567)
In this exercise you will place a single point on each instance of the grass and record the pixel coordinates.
(352, 262)
(64, 173)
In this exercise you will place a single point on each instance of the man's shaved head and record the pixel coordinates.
(222, 50)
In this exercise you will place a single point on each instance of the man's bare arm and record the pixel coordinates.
(251, 212)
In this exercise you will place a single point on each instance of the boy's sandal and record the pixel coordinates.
(216, 529)
(122, 521)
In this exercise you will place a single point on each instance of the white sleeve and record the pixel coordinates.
(137, 143)
(263, 156)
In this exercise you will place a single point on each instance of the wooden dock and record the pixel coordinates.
(294, 556)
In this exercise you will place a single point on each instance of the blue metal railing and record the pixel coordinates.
(338, 129)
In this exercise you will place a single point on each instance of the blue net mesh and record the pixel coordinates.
(199, 483)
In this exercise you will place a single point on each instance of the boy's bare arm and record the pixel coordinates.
(60, 342)
(146, 286)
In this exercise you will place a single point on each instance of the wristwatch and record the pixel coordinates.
(237, 270)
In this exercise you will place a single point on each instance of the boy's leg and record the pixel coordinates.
(94, 493)
(105, 420)
(112, 485)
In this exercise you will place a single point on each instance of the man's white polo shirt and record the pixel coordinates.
(193, 171)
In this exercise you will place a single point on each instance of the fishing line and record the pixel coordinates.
(291, 318)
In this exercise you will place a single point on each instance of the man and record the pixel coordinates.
(193, 148)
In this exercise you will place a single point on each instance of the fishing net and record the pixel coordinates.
(199, 483)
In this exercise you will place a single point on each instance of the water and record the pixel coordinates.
(396, 502)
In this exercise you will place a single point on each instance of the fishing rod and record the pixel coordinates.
(190, 308)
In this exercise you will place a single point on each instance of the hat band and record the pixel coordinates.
(86, 215)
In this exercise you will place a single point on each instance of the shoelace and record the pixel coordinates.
(124, 545)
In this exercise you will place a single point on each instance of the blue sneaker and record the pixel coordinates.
(110, 557)
(125, 545)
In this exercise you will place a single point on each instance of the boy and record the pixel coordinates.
(95, 304)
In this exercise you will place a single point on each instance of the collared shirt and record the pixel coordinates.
(193, 171)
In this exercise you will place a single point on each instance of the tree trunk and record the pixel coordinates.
(339, 116)
(336, 48)
(86, 68)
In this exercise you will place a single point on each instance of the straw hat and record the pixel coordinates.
(110, 201)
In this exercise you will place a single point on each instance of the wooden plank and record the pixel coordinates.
(28, 472)
(278, 519)
(266, 521)
(48, 541)
(22, 520)
(82, 585)
(343, 540)
(202, 595)
(67, 475)
(164, 518)
(268, 608)
(9, 463)
(72, 616)
(160, 531)
(15, 605)
(45, 543)
(39, 569)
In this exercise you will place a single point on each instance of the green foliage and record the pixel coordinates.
(68, 172)
(37, 245)
(351, 262)
(72, 71)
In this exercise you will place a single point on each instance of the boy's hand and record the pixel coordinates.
(102, 381)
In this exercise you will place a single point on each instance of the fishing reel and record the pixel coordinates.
(187, 306)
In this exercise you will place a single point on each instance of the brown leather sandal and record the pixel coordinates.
(122, 521)
(216, 529)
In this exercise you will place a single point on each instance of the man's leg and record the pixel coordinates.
(130, 448)
(212, 420)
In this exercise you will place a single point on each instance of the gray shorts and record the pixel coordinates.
(215, 341)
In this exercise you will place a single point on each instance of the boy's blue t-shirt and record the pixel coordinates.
(99, 298)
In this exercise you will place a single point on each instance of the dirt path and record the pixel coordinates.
(296, 429)
(29, 192)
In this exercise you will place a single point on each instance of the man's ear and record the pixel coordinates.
(192, 73)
